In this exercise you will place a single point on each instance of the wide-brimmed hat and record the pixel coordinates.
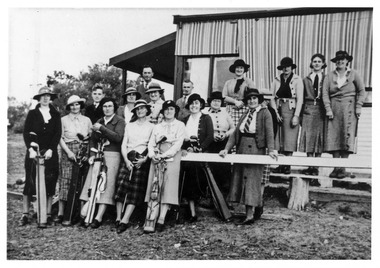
(132, 90)
(43, 91)
(167, 104)
(194, 97)
(140, 103)
(73, 99)
(239, 62)
(286, 62)
(154, 87)
(342, 55)
(249, 92)
(216, 95)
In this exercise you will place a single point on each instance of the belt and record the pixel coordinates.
(286, 99)
(249, 135)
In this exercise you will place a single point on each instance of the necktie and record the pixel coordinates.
(316, 86)
(249, 120)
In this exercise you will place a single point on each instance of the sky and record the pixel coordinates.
(42, 40)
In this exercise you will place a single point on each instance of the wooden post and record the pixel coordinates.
(299, 193)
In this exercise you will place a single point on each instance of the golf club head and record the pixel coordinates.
(33, 137)
(80, 136)
(94, 150)
(33, 144)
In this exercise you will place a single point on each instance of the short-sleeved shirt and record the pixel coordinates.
(74, 124)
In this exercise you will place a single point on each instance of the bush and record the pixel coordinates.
(18, 127)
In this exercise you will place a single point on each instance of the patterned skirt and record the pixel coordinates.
(312, 130)
(287, 135)
(66, 171)
(235, 113)
(132, 187)
(246, 179)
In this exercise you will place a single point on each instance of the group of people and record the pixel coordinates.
(147, 130)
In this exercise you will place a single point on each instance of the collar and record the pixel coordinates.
(346, 73)
(113, 120)
(213, 111)
(73, 117)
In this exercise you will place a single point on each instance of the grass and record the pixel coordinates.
(15, 157)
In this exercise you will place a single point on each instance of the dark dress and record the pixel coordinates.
(194, 180)
(48, 137)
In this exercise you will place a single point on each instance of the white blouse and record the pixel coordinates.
(138, 135)
(175, 134)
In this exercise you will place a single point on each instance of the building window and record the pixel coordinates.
(208, 73)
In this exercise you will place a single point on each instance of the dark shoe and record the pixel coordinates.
(117, 224)
(334, 173)
(58, 219)
(246, 222)
(49, 220)
(278, 169)
(24, 220)
(228, 220)
(341, 173)
(307, 171)
(122, 227)
(286, 170)
(258, 212)
(95, 224)
(314, 172)
(160, 227)
(193, 219)
(82, 223)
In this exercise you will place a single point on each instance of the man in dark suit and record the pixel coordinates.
(94, 111)
(187, 89)
(147, 75)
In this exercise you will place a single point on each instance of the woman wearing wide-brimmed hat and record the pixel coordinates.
(343, 96)
(253, 135)
(313, 113)
(170, 149)
(110, 127)
(199, 126)
(287, 90)
(223, 128)
(133, 174)
(155, 92)
(73, 124)
(45, 121)
(130, 96)
(233, 90)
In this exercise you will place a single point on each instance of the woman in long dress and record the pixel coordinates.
(111, 127)
(287, 90)
(313, 114)
(170, 151)
(343, 97)
(133, 175)
(45, 122)
(199, 126)
(253, 135)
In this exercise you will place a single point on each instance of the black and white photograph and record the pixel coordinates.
(148, 131)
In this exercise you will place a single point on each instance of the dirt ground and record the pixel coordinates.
(324, 231)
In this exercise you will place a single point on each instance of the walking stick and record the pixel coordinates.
(40, 185)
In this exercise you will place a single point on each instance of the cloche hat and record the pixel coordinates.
(286, 62)
(73, 99)
(43, 91)
(237, 63)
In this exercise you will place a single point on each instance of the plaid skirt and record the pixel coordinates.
(132, 186)
(235, 113)
(66, 168)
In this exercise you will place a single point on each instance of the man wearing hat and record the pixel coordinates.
(147, 75)
(343, 96)
(187, 90)
(94, 111)
(155, 92)
(73, 124)
(233, 90)
(45, 122)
